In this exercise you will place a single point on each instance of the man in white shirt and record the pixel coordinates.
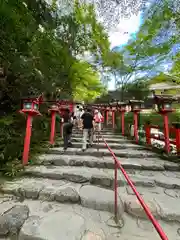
(79, 112)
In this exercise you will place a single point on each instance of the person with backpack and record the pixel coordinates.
(98, 119)
(87, 123)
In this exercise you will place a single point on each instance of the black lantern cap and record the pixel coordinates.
(164, 98)
(164, 102)
(136, 104)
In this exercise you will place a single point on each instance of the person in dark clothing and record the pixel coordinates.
(67, 129)
(88, 125)
(66, 116)
(67, 132)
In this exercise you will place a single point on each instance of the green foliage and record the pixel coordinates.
(39, 53)
(138, 90)
(156, 41)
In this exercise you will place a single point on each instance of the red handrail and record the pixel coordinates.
(168, 141)
(143, 204)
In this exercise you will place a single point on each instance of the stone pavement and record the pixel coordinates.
(69, 195)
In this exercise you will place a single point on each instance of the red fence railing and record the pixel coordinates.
(171, 133)
(117, 165)
(168, 141)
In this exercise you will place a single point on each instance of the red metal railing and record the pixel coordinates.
(117, 165)
(167, 140)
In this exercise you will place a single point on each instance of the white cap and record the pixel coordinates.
(96, 111)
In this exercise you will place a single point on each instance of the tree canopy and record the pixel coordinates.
(43, 44)
(154, 52)
(41, 47)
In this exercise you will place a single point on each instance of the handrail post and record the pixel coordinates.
(115, 190)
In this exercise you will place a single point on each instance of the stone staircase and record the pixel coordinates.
(69, 195)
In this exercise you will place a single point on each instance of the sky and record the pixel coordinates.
(122, 34)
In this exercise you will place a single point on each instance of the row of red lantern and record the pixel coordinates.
(163, 102)
(30, 107)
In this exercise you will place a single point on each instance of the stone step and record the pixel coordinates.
(105, 136)
(111, 145)
(104, 133)
(129, 153)
(105, 177)
(106, 162)
(74, 222)
(159, 200)
(109, 140)
(64, 192)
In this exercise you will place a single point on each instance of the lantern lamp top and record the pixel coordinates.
(135, 102)
(165, 98)
(54, 106)
(136, 105)
(29, 98)
(121, 104)
(114, 104)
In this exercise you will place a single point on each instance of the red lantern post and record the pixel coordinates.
(107, 115)
(177, 129)
(164, 103)
(104, 112)
(31, 108)
(136, 106)
(113, 110)
(122, 110)
(53, 111)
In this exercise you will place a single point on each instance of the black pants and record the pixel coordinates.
(66, 138)
(67, 132)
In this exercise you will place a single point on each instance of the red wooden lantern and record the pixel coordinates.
(30, 107)
(53, 111)
(164, 103)
(122, 110)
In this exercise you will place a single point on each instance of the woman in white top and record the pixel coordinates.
(78, 114)
(98, 120)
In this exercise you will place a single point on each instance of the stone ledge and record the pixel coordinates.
(104, 152)
(60, 191)
(105, 162)
(110, 140)
(106, 136)
(112, 145)
(43, 218)
(160, 206)
(99, 199)
(105, 177)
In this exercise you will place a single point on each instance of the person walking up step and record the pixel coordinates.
(87, 121)
(67, 129)
(98, 119)
(79, 113)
